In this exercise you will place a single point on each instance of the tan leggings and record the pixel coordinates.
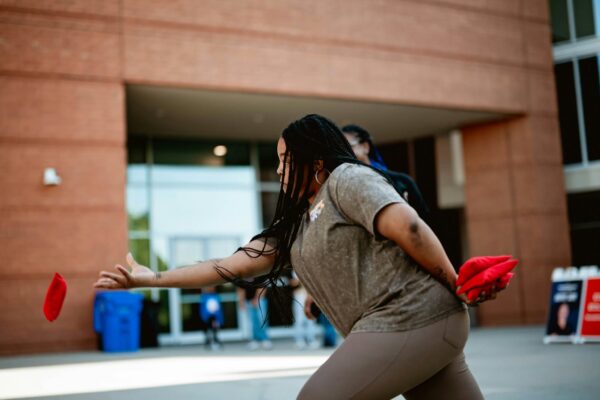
(425, 363)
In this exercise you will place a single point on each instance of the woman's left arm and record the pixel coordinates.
(401, 223)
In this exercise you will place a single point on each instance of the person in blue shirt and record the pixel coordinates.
(211, 314)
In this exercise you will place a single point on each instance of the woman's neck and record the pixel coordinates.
(315, 186)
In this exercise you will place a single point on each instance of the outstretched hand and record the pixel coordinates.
(135, 275)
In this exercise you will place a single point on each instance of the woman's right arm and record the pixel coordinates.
(239, 264)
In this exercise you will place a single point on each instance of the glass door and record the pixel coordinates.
(185, 323)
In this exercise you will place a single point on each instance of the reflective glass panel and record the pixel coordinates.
(187, 152)
(590, 96)
(269, 203)
(584, 18)
(567, 110)
(560, 21)
(268, 161)
(140, 249)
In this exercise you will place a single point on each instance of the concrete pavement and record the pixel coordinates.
(508, 363)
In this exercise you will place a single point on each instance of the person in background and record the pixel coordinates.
(211, 314)
(253, 300)
(329, 332)
(313, 312)
(304, 328)
(362, 146)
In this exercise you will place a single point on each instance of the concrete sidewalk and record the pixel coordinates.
(509, 363)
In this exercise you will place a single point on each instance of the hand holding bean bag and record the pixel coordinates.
(475, 265)
(484, 276)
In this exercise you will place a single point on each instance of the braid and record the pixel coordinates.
(310, 139)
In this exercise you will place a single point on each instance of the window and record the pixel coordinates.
(576, 32)
(268, 161)
(180, 189)
(269, 180)
(560, 21)
(567, 110)
(574, 19)
(590, 94)
(194, 152)
(584, 17)
(186, 201)
(584, 217)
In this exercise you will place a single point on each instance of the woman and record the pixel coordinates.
(371, 264)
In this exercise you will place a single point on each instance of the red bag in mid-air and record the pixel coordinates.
(55, 296)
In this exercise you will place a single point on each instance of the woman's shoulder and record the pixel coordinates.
(352, 171)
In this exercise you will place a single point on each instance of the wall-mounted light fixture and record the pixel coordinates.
(51, 178)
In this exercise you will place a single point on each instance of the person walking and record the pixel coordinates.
(211, 314)
(254, 302)
(304, 328)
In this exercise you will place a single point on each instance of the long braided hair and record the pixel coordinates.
(308, 140)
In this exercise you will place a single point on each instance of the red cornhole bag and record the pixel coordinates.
(475, 265)
(489, 276)
(55, 296)
(503, 281)
(500, 283)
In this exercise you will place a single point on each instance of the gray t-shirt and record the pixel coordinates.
(361, 281)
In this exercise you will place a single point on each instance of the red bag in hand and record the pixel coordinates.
(500, 283)
(503, 281)
(488, 276)
(55, 296)
(475, 265)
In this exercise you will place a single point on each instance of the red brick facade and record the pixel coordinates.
(64, 64)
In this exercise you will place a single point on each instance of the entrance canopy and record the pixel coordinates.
(165, 111)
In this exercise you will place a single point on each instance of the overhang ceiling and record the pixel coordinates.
(176, 112)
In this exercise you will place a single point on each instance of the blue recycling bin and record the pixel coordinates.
(117, 320)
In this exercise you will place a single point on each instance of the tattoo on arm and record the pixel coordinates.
(414, 234)
(441, 275)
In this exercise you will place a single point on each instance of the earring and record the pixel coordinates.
(317, 177)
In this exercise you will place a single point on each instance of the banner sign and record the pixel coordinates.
(590, 320)
(563, 318)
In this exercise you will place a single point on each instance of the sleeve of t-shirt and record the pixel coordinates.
(361, 193)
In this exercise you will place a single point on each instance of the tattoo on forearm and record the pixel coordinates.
(441, 275)
(157, 275)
